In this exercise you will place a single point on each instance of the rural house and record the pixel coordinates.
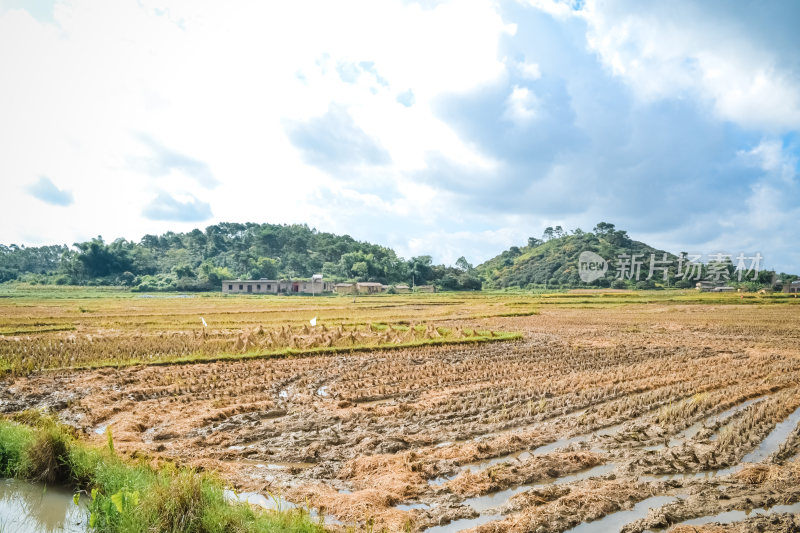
(345, 288)
(273, 286)
(370, 287)
(792, 287)
(361, 287)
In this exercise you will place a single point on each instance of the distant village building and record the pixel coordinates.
(370, 287)
(345, 288)
(792, 287)
(361, 287)
(710, 286)
(315, 285)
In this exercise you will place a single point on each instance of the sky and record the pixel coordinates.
(442, 128)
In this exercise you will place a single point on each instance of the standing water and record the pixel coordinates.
(34, 508)
(773, 441)
(615, 521)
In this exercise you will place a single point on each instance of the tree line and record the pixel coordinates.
(199, 260)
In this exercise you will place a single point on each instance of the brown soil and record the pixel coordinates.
(355, 434)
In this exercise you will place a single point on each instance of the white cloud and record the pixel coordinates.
(214, 84)
(668, 50)
(770, 156)
(529, 71)
(522, 106)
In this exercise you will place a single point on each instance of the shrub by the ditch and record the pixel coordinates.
(131, 497)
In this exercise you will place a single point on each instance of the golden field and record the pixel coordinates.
(494, 411)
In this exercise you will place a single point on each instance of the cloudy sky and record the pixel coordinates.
(434, 127)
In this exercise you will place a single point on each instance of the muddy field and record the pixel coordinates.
(631, 416)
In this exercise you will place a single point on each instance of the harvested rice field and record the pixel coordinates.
(670, 411)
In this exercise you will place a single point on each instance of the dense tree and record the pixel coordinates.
(200, 259)
(100, 259)
(603, 228)
(464, 265)
(420, 269)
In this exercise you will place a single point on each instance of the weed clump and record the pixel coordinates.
(49, 455)
(130, 497)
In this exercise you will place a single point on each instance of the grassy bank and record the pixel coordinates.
(125, 496)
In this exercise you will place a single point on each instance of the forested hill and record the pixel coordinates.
(552, 261)
(199, 259)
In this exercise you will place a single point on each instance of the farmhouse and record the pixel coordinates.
(424, 288)
(344, 288)
(361, 287)
(314, 285)
(370, 287)
(792, 287)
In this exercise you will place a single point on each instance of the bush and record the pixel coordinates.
(15, 440)
(49, 455)
(128, 497)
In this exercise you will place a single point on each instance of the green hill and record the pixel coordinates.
(552, 262)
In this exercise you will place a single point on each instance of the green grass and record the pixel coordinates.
(131, 497)
(35, 329)
(481, 337)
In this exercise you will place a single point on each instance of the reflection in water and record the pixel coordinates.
(464, 523)
(767, 447)
(275, 502)
(33, 508)
(737, 516)
(615, 521)
(412, 506)
(497, 499)
(775, 438)
(690, 432)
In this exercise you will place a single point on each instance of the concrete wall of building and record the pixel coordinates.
(271, 286)
(370, 287)
(250, 286)
(345, 288)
